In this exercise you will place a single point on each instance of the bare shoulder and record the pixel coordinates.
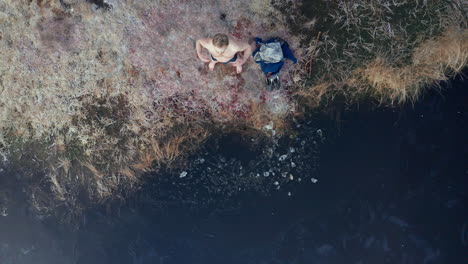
(239, 45)
(206, 42)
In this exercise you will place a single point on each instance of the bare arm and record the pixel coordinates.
(200, 44)
(246, 50)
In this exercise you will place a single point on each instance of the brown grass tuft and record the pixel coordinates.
(436, 59)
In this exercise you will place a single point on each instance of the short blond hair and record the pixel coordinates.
(220, 40)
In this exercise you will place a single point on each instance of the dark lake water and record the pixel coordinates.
(391, 187)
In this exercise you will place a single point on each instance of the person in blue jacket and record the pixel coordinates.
(271, 55)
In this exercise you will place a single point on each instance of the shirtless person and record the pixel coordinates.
(225, 50)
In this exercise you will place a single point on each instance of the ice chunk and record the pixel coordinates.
(283, 157)
(313, 180)
(319, 133)
(183, 174)
(3, 211)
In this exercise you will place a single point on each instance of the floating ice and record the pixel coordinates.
(319, 132)
(3, 211)
(283, 157)
(183, 174)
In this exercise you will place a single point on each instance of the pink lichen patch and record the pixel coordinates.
(241, 29)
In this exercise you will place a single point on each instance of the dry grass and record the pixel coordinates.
(434, 60)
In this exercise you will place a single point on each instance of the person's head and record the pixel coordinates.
(220, 42)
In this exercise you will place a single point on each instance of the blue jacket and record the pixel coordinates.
(274, 68)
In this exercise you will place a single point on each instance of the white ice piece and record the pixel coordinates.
(183, 174)
(319, 132)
